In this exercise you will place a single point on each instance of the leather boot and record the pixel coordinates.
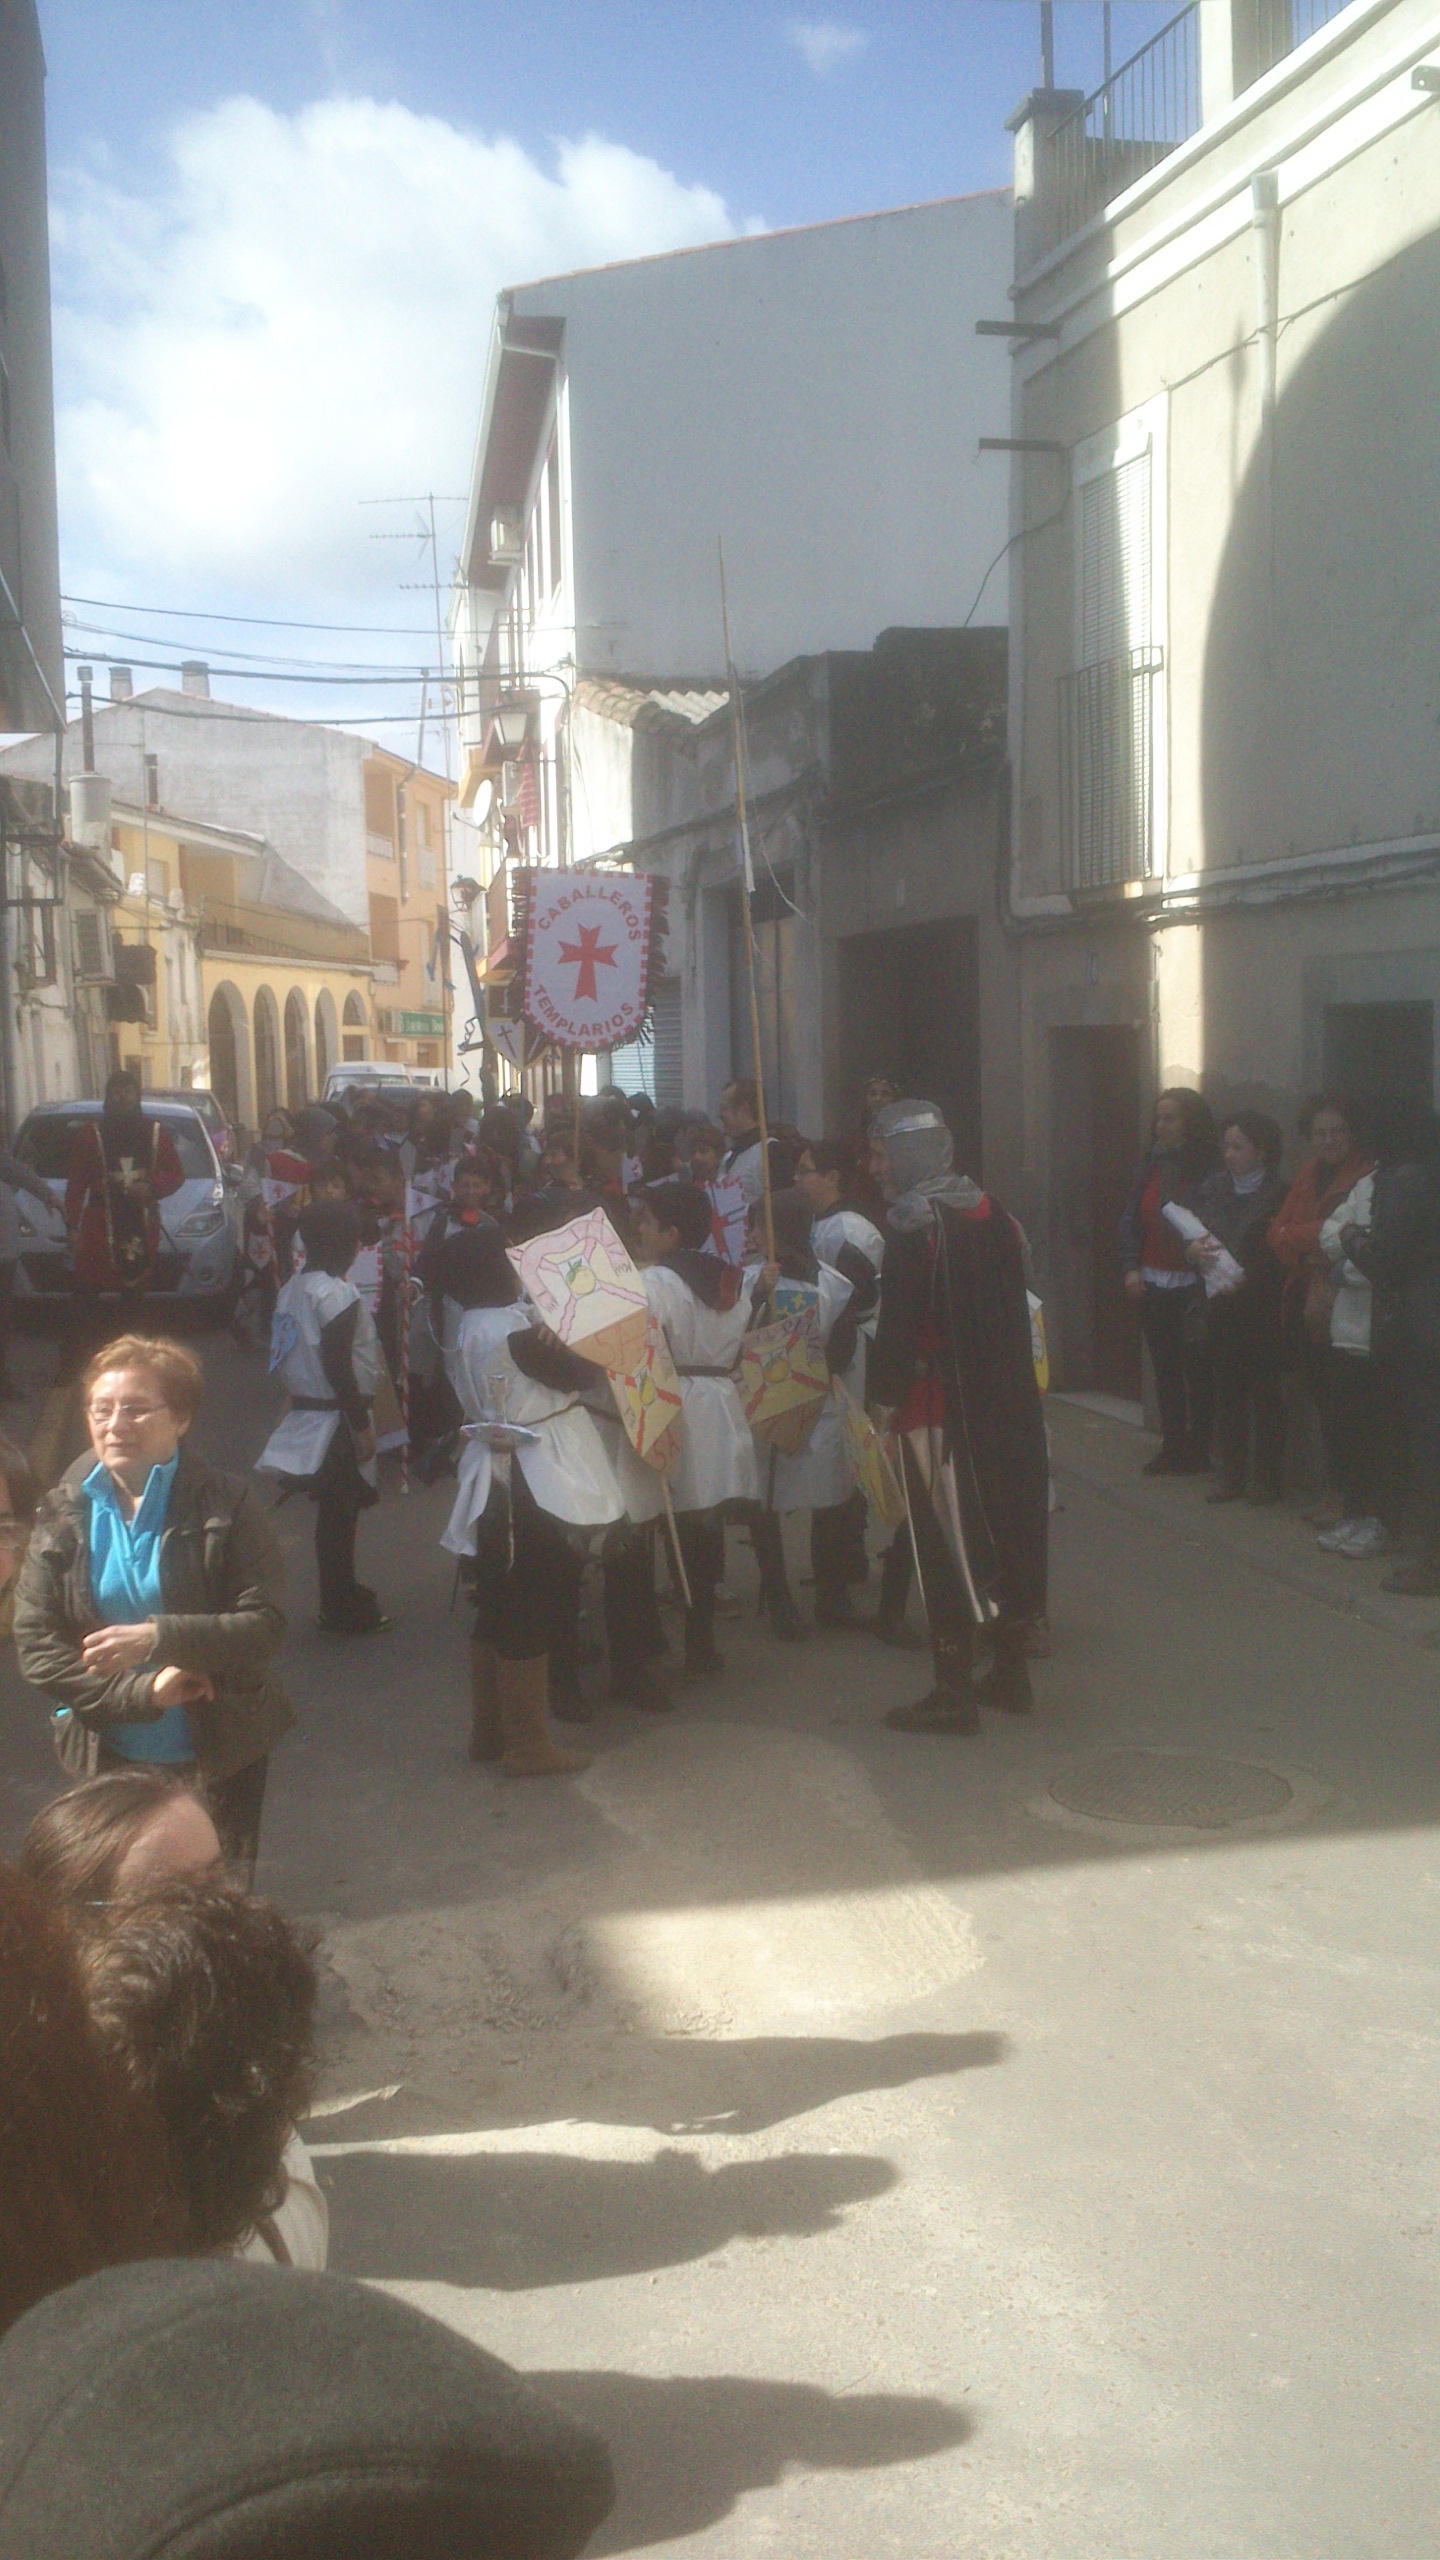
(485, 1742)
(1006, 1684)
(529, 1751)
(951, 1706)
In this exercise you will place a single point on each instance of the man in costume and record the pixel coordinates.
(952, 1374)
(121, 1167)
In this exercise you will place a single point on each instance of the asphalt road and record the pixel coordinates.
(890, 2156)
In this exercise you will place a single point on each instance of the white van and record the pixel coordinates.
(376, 1075)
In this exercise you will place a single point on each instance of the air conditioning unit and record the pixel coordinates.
(507, 534)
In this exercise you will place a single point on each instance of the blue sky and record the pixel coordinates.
(279, 229)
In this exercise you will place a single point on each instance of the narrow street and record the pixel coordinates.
(889, 2156)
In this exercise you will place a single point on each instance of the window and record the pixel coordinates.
(384, 929)
(157, 879)
(379, 812)
(92, 943)
(152, 782)
(1112, 725)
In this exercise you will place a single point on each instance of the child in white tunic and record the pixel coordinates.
(327, 1352)
(703, 1306)
(818, 1478)
(520, 1501)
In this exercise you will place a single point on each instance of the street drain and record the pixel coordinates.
(1163, 1788)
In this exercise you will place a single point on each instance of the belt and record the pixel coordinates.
(705, 1373)
(313, 1404)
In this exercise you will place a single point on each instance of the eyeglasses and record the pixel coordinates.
(105, 1414)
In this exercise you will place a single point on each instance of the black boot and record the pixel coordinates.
(775, 1591)
(1006, 1683)
(951, 1706)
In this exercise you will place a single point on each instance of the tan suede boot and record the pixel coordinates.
(529, 1751)
(486, 1742)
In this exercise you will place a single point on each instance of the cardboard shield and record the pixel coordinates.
(584, 1286)
(784, 1380)
(874, 1472)
(651, 1405)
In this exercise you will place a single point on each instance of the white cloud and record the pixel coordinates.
(295, 318)
(824, 44)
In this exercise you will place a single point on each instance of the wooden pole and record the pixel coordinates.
(746, 884)
(675, 1546)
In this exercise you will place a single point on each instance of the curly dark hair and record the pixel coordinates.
(84, 2179)
(208, 1997)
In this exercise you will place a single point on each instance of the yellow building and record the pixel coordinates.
(405, 876)
(276, 987)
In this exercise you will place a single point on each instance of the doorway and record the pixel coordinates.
(1373, 1049)
(910, 1010)
(1095, 1140)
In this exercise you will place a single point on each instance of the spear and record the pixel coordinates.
(747, 884)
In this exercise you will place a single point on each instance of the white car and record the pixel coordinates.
(199, 1262)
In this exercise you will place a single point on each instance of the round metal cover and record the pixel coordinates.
(1163, 1787)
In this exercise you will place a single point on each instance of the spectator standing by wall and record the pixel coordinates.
(1238, 1205)
(1334, 1166)
(1365, 1436)
(1165, 1286)
(1401, 1258)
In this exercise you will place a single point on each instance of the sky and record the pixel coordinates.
(278, 231)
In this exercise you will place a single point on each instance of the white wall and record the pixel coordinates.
(815, 398)
(299, 787)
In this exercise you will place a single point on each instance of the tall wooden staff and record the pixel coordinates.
(747, 884)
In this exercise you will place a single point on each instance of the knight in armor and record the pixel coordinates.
(327, 1351)
(952, 1374)
(121, 1167)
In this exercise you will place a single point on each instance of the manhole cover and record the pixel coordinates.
(1162, 1788)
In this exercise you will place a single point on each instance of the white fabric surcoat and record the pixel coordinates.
(819, 1475)
(306, 1305)
(718, 1461)
(567, 1470)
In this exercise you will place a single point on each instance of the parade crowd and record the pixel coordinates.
(157, 2017)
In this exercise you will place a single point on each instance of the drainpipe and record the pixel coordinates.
(1265, 225)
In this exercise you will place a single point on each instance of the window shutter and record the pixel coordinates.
(669, 1053)
(1115, 583)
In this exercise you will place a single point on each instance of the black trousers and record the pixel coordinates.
(1365, 1438)
(948, 1613)
(633, 1632)
(1415, 1371)
(341, 1494)
(832, 1555)
(702, 1544)
(1184, 1383)
(523, 1560)
(1245, 1348)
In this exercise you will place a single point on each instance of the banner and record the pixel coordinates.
(587, 956)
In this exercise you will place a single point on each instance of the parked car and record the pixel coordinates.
(199, 1263)
(383, 1076)
(211, 1111)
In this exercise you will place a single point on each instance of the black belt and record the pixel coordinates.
(704, 1373)
(313, 1404)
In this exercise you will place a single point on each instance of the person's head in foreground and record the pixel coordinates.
(141, 1396)
(84, 2180)
(210, 2411)
(116, 1835)
(17, 1508)
(206, 1999)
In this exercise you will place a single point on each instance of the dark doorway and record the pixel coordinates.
(910, 1010)
(1370, 1049)
(1095, 1141)
(772, 923)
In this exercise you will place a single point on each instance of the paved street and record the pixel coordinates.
(890, 2156)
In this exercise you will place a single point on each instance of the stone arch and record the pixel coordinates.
(297, 1050)
(356, 1043)
(327, 1037)
(267, 1056)
(231, 1078)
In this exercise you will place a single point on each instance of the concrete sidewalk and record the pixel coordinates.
(1109, 1454)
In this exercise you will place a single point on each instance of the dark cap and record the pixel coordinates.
(206, 2410)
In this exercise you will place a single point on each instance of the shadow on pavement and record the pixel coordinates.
(687, 2450)
(512, 2221)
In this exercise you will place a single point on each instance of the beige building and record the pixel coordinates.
(1225, 640)
(405, 877)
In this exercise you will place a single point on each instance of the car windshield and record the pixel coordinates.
(45, 1144)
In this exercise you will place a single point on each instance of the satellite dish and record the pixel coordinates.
(484, 802)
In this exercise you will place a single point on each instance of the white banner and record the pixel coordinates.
(586, 956)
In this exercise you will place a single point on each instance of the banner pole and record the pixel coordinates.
(746, 885)
(675, 1544)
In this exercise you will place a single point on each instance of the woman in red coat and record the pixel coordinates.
(121, 1167)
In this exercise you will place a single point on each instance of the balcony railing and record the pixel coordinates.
(1133, 120)
(1147, 108)
(1108, 717)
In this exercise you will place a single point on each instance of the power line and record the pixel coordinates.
(148, 640)
(245, 675)
(259, 621)
(346, 719)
